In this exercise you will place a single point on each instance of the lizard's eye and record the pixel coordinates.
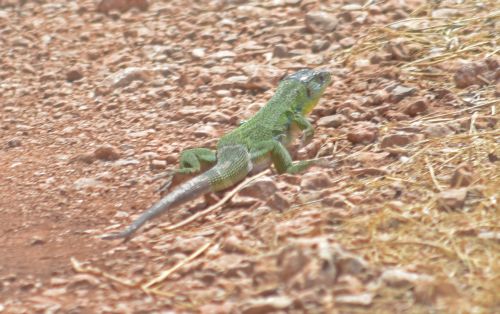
(321, 79)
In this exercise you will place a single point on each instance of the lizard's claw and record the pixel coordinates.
(125, 235)
(165, 185)
(280, 138)
(306, 138)
(168, 176)
(115, 236)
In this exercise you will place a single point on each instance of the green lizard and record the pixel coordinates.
(254, 144)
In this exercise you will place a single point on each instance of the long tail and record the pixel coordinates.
(189, 190)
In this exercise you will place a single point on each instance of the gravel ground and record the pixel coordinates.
(99, 98)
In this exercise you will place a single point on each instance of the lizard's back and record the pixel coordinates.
(270, 121)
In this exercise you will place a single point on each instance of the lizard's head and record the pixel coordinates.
(312, 86)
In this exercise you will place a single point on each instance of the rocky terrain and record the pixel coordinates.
(98, 98)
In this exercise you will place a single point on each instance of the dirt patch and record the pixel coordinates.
(98, 100)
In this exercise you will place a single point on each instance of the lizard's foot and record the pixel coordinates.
(172, 179)
(168, 176)
(305, 139)
(162, 189)
(125, 234)
(117, 235)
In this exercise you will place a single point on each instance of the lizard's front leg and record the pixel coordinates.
(305, 126)
(280, 157)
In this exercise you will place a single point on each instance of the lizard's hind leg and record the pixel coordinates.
(191, 161)
(195, 160)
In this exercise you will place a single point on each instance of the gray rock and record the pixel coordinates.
(361, 299)
(87, 158)
(105, 6)
(319, 45)
(400, 92)
(400, 139)
(347, 42)
(334, 200)
(278, 202)
(83, 183)
(15, 142)
(280, 51)
(362, 133)
(126, 76)
(443, 13)
(320, 21)
(158, 164)
(399, 277)
(333, 121)
(352, 7)
(107, 153)
(415, 108)
(205, 131)
(223, 54)
(437, 130)
(236, 81)
(452, 199)
(260, 189)
(270, 304)
(315, 181)
(198, 53)
(74, 74)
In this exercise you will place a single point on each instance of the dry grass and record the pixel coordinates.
(417, 234)
(461, 247)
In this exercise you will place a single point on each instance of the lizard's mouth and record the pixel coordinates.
(310, 105)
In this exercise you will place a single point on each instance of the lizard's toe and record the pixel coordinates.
(116, 235)
(162, 189)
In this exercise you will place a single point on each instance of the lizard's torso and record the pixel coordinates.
(271, 122)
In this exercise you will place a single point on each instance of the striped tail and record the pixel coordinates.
(189, 190)
(233, 165)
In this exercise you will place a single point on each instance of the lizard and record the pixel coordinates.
(256, 143)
